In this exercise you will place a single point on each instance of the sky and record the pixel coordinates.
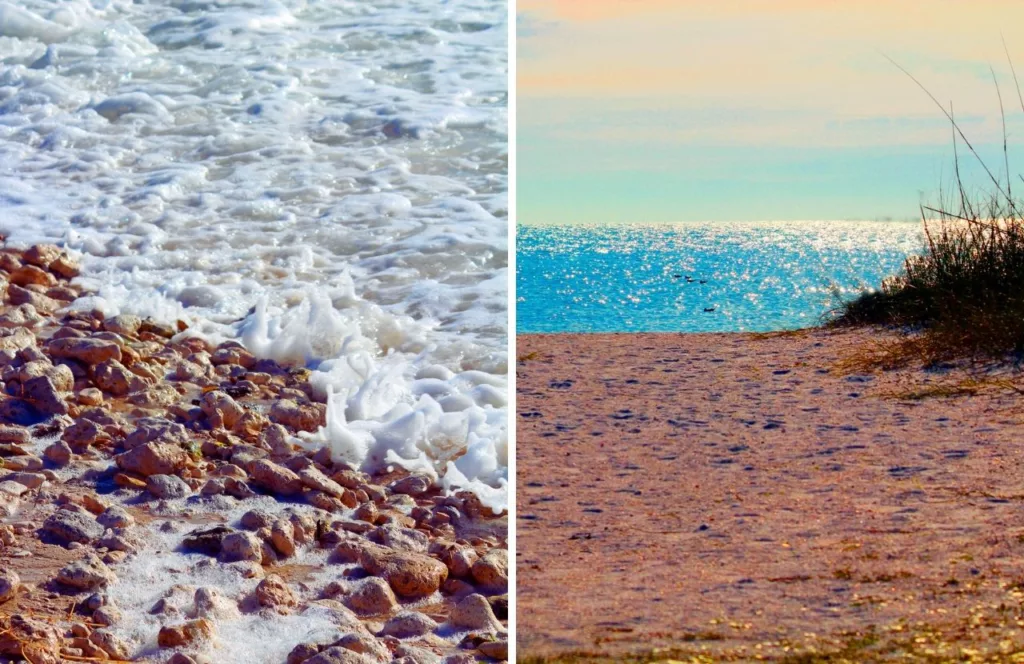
(691, 110)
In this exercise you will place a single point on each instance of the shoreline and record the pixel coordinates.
(737, 496)
(153, 504)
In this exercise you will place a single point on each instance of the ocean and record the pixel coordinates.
(325, 181)
(700, 277)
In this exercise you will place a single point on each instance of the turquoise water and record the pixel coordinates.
(699, 277)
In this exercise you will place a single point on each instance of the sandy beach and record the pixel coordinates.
(742, 497)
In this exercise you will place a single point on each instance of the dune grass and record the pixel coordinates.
(964, 294)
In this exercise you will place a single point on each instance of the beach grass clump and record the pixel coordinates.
(965, 292)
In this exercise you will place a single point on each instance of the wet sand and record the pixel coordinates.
(745, 497)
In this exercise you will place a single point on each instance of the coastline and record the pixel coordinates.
(737, 496)
(154, 503)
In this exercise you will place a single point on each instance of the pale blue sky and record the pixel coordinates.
(745, 109)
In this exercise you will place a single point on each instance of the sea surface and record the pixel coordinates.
(700, 277)
(324, 180)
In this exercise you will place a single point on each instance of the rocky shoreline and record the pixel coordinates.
(154, 506)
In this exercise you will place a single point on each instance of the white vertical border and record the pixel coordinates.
(511, 84)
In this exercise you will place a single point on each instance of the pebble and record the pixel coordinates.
(185, 634)
(339, 655)
(494, 649)
(73, 526)
(491, 571)
(240, 546)
(9, 584)
(86, 574)
(414, 485)
(115, 516)
(89, 351)
(410, 574)
(167, 487)
(408, 624)
(275, 478)
(474, 612)
(373, 596)
(153, 458)
(43, 394)
(272, 592)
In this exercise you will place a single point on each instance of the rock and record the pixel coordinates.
(372, 596)
(339, 655)
(282, 536)
(256, 519)
(210, 603)
(30, 274)
(364, 644)
(410, 574)
(43, 394)
(115, 516)
(494, 649)
(113, 377)
(275, 478)
(153, 459)
(127, 325)
(181, 658)
(20, 318)
(94, 503)
(126, 481)
(367, 512)
(29, 480)
(43, 304)
(18, 435)
(474, 612)
(414, 485)
(402, 539)
(221, 410)
(274, 593)
(89, 351)
(459, 560)
(316, 480)
(42, 255)
(111, 644)
(186, 634)
(83, 434)
(302, 652)
(499, 604)
(60, 375)
(237, 488)
(9, 584)
(12, 489)
(167, 487)
(26, 462)
(65, 266)
(406, 653)
(70, 526)
(274, 438)
(106, 615)
(241, 546)
(209, 540)
(86, 574)
(90, 396)
(491, 571)
(294, 416)
(408, 624)
(156, 429)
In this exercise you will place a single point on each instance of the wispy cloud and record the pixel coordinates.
(759, 75)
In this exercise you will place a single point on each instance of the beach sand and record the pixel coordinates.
(744, 496)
